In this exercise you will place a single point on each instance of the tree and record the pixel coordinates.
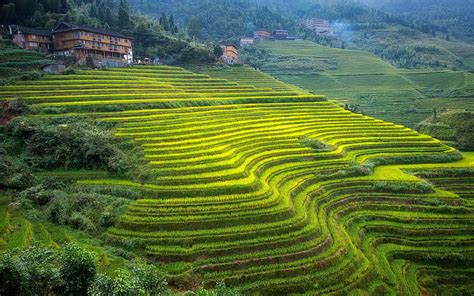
(218, 51)
(171, 24)
(78, 269)
(164, 22)
(109, 17)
(194, 27)
(7, 13)
(123, 17)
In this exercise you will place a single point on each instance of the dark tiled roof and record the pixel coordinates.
(70, 27)
(33, 31)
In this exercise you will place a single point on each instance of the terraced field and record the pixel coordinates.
(17, 231)
(275, 190)
(358, 78)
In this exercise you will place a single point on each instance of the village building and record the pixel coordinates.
(106, 48)
(294, 37)
(280, 34)
(320, 26)
(28, 38)
(261, 34)
(246, 41)
(230, 53)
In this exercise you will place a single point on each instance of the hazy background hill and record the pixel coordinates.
(454, 16)
(403, 39)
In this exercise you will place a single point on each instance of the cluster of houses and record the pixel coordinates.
(230, 51)
(112, 49)
(106, 48)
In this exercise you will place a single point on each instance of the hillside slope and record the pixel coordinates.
(364, 81)
(403, 42)
(453, 16)
(272, 189)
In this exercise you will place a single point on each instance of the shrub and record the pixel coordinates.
(219, 290)
(32, 271)
(79, 145)
(14, 173)
(401, 187)
(122, 284)
(150, 278)
(316, 145)
(78, 269)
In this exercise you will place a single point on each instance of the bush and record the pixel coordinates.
(219, 290)
(150, 278)
(78, 269)
(60, 204)
(457, 126)
(316, 145)
(74, 144)
(31, 271)
(403, 187)
(14, 174)
(140, 279)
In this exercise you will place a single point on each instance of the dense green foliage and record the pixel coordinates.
(219, 20)
(74, 144)
(65, 205)
(72, 271)
(452, 17)
(403, 41)
(18, 64)
(456, 128)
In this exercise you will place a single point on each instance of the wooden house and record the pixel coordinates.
(262, 34)
(246, 41)
(105, 47)
(230, 53)
(29, 38)
(280, 34)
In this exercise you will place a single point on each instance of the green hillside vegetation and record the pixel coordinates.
(150, 38)
(404, 41)
(408, 48)
(260, 184)
(364, 82)
(452, 16)
(456, 128)
(470, 62)
(16, 63)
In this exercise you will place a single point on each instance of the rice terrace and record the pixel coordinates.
(213, 179)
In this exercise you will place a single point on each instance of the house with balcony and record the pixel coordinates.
(106, 48)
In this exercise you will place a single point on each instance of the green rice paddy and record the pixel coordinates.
(244, 195)
(358, 78)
